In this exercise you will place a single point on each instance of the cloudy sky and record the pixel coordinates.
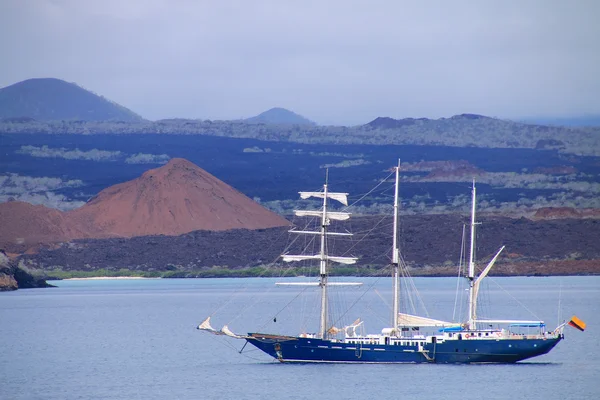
(333, 61)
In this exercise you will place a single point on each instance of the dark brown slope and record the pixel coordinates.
(176, 198)
(430, 243)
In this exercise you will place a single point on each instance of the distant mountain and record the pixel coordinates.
(279, 116)
(50, 99)
(586, 120)
(391, 123)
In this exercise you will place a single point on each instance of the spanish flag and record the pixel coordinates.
(577, 323)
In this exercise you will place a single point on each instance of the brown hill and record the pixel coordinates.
(176, 198)
(23, 225)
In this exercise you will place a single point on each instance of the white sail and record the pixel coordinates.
(341, 260)
(477, 282)
(335, 215)
(489, 267)
(341, 197)
(417, 321)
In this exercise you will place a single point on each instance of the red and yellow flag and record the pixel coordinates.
(577, 323)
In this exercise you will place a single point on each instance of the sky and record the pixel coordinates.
(340, 62)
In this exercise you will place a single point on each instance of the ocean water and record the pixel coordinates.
(137, 339)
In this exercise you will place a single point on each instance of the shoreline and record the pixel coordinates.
(98, 278)
(102, 278)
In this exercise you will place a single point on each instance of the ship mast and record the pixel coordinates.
(396, 257)
(471, 276)
(324, 259)
(323, 263)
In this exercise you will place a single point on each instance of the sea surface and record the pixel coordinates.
(137, 339)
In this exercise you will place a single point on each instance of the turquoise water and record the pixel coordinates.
(136, 339)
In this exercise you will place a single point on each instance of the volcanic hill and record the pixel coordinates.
(174, 199)
(279, 116)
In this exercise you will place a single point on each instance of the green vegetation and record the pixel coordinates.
(102, 272)
(215, 272)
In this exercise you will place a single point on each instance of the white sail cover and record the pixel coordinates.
(341, 260)
(341, 197)
(338, 216)
(226, 331)
(415, 320)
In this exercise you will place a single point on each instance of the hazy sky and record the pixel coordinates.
(333, 61)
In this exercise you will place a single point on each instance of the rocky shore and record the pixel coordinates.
(12, 277)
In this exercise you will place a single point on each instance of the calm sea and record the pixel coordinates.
(136, 339)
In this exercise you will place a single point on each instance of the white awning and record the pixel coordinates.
(507, 321)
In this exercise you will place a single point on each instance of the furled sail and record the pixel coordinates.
(205, 326)
(341, 197)
(226, 331)
(341, 260)
(335, 215)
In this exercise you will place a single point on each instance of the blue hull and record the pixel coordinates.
(298, 349)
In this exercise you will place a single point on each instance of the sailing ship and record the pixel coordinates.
(476, 340)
